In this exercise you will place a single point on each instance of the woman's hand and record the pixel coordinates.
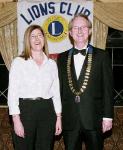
(58, 126)
(18, 126)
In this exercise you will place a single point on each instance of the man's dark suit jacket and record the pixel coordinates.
(96, 101)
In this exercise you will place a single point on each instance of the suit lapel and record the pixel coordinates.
(74, 77)
(82, 72)
(78, 82)
(78, 85)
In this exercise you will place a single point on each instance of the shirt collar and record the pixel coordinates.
(45, 58)
(85, 47)
(44, 61)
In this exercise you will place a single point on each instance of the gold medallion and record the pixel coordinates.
(86, 77)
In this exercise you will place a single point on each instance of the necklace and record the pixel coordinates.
(86, 77)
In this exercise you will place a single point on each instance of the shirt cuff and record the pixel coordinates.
(14, 111)
(107, 119)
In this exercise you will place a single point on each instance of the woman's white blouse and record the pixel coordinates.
(28, 80)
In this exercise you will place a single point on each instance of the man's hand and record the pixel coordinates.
(106, 125)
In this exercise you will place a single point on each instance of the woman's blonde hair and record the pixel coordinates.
(26, 44)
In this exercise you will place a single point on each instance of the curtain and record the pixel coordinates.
(106, 15)
(110, 14)
(100, 32)
(8, 32)
(8, 43)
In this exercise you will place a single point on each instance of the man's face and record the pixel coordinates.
(80, 31)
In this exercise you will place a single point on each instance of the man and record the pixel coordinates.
(86, 89)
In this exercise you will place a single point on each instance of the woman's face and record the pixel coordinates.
(36, 40)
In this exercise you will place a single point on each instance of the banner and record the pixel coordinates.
(54, 17)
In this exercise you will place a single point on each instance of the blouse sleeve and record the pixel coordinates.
(13, 88)
(56, 89)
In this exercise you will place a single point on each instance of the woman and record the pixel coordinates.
(33, 94)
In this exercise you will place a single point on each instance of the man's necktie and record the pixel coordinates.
(76, 51)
